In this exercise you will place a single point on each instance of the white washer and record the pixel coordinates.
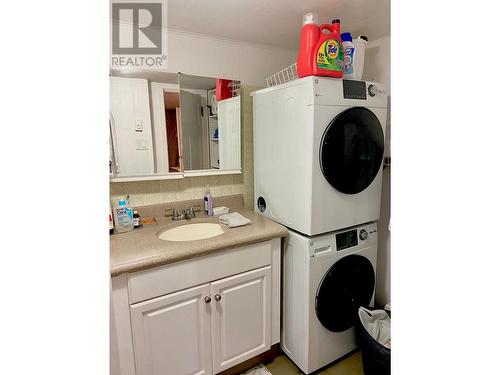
(325, 278)
(318, 150)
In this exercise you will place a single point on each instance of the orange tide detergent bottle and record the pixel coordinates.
(320, 53)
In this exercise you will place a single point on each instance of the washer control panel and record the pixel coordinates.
(355, 237)
(345, 240)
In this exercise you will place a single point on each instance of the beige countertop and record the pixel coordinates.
(141, 248)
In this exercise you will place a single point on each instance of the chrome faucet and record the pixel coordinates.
(187, 214)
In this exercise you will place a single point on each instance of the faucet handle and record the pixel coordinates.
(190, 213)
(196, 208)
(174, 214)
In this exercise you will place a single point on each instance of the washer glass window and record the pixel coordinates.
(352, 149)
(348, 284)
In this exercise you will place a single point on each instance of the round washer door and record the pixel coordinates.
(348, 284)
(351, 150)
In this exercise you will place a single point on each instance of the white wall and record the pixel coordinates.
(378, 61)
(214, 57)
(377, 68)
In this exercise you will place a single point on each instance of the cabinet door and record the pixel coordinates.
(241, 317)
(229, 133)
(172, 334)
(131, 123)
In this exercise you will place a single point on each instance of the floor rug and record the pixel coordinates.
(258, 370)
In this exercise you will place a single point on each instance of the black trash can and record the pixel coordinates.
(375, 356)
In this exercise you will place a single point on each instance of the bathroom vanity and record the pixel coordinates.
(194, 307)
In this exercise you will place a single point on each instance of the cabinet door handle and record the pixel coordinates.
(207, 299)
(218, 297)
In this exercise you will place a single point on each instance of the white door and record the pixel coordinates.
(172, 334)
(229, 133)
(241, 317)
(192, 137)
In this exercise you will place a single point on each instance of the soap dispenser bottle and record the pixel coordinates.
(123, 217)
(208, 202)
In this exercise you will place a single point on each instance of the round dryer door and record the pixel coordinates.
(351, 150)
(348, 284)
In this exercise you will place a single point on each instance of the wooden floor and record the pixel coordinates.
(349, 366)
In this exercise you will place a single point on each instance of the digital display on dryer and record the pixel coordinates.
(354, 89)
(346, 239)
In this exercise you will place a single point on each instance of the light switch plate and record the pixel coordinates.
(138, 125)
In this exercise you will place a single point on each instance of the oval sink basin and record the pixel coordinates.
(191, 232)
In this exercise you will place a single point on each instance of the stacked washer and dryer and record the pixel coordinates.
(318, 150)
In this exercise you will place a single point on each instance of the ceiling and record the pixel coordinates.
(154, 76)
(276, 22)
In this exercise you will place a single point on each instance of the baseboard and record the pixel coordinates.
(265, 357)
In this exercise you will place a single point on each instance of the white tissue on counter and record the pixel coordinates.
(220, 210)
(234, 219)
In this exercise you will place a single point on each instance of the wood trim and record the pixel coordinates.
(265, 358)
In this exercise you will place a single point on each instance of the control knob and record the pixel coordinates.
(372, 90)
(363, 234)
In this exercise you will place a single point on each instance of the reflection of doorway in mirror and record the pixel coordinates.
(167, 133)
(172, 123)
(194, 125)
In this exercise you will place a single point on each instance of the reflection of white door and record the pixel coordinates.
(191, 131)
(229, 133)
(129, 106)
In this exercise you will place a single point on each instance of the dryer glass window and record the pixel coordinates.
(351, 150)
(348, 284)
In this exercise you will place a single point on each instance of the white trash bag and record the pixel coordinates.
(378, 324)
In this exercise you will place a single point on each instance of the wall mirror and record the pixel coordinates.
(211, 124)
(170, 125)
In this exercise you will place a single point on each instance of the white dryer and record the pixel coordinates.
(325, 279)
(318, 150)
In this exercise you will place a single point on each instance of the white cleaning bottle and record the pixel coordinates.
(123, 217)
(359, 56)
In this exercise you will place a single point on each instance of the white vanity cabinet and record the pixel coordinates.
(241, 320)
(199, 316)
(172, 333)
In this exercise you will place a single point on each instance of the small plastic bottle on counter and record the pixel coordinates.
(208, 202)
(136, 218)
(110, 218)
